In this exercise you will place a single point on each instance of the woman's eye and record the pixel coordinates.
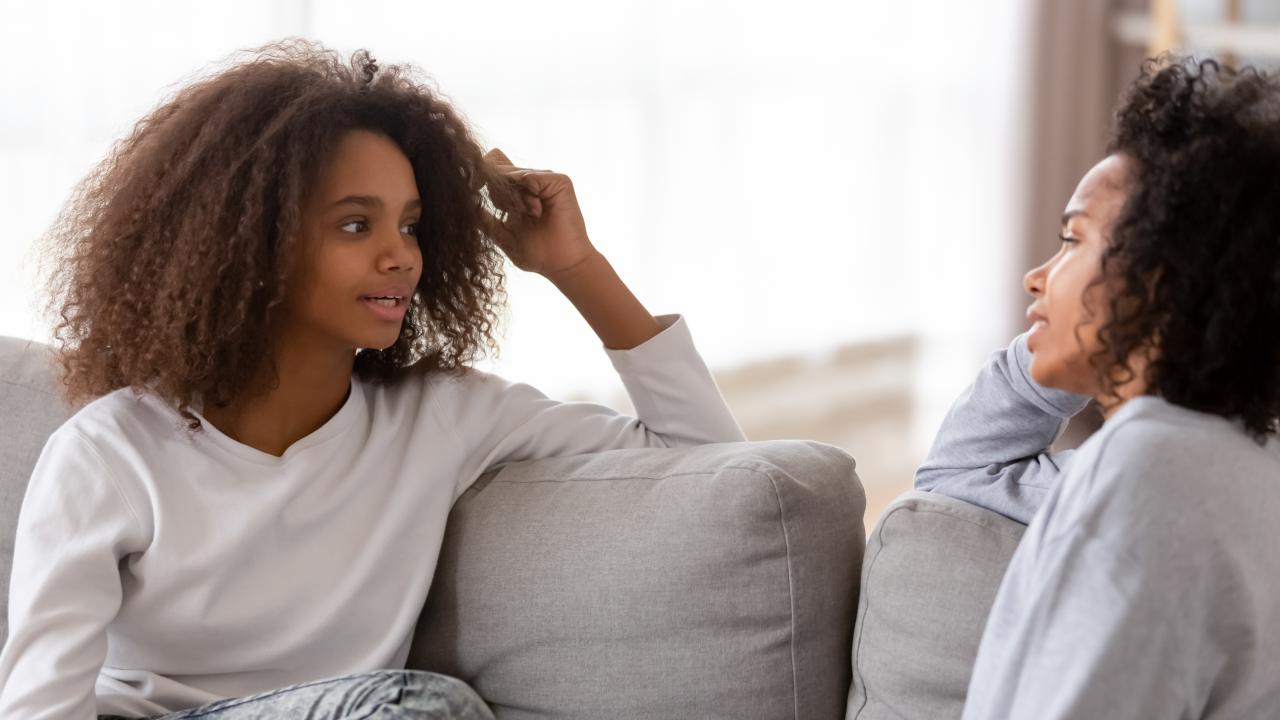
(355, 222)
(412, 229)
(1067, 240)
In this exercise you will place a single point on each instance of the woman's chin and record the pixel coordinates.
(1043, 370)
(1049, 372)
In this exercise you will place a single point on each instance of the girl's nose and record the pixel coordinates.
(399, 254)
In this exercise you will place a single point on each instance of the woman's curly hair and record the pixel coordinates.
(171, 260)
(1193, 264)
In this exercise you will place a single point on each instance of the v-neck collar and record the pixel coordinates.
(333, 427)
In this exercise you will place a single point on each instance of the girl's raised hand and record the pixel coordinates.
(547, 234)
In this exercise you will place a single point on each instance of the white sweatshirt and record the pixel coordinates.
(156, 570)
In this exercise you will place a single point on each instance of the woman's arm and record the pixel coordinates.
(74, 528)
(993, 447)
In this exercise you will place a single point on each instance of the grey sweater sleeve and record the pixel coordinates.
(993, 447)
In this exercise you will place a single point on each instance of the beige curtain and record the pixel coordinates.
(1072, 95)
(1077, 73)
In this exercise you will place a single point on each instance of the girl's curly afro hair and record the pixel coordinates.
(1194, 259)
(170, 262)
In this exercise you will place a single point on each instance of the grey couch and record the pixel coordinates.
(713, 582)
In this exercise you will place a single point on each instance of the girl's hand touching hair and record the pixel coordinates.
(547, 235)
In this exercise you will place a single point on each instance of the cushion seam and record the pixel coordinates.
(498, 478)
(791, 590)
(861, 619)
(939, 511)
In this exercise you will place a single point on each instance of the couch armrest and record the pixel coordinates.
(30, 410)
(714, 581)
(932, 570)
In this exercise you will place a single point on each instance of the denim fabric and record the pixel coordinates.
(379, 695)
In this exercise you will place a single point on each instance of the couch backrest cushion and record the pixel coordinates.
(932, 569)
(717, 581)
(30, 410)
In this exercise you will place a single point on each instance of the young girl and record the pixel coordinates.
(1148, 582)
(273, 287)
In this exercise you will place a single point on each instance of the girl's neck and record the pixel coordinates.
(314, 379)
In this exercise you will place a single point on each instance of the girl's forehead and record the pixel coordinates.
(365, 163)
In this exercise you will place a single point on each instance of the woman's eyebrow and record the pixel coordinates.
(373, 201)
(1066, 216)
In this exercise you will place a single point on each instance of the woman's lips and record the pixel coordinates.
(1038, 323)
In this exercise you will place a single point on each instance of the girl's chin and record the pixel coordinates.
(377, 342)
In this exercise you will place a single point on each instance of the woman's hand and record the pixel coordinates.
(547, 235)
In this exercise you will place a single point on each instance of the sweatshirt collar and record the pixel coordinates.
(352, 408)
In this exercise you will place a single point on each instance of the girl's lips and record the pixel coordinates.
(392, 313)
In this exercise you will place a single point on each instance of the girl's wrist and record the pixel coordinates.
(591, 264)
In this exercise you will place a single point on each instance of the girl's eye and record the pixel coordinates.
(409, 229)
(1068, 240)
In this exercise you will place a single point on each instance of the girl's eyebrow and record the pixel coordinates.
(373, 201)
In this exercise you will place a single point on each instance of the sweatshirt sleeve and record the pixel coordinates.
(993, 447)
(676, 399)
(74, 528)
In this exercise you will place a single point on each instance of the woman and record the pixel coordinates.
(273, 287)
(1146, 585)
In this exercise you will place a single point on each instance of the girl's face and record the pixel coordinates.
(1065, 315)
(360, 259)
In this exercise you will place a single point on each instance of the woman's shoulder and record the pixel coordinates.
(1149, 431)
(1158, 465)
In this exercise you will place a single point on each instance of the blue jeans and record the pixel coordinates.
(378, 695)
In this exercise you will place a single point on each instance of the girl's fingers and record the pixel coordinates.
(532, 186)
(503, 231)
(532, 205)
(497, 157)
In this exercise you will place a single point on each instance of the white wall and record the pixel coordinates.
(792, 177)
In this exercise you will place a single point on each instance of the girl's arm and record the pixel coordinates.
(547, 235)
(74, 529)
(606, 303)
(676, 398)
(993, 447)
(677, 403)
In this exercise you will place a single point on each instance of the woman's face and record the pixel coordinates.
(1065, 316)
(360, 260)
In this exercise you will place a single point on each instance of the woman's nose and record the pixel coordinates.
(1033, 281)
